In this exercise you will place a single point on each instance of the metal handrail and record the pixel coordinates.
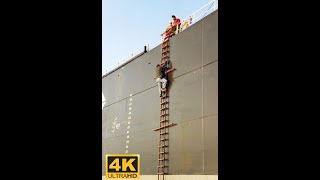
(195, 18)
(127, 58)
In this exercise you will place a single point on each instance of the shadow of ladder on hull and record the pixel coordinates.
(163, 150)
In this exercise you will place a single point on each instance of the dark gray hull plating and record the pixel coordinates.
(131, 111)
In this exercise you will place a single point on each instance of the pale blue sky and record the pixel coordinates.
(130, 24)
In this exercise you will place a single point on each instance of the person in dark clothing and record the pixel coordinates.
(164, 69)
(161, 78)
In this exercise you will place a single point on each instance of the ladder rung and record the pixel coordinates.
(163, 114)
(162, 166)
(163, 153)
(164, 42)
(164, 102)
(164, 108)
(169, 125)
(164, 97)
(164, 120)
(163, 139)
(164, 133)
(162, 173)
(164, 57)
(166, 39)
(162, 159)
(166, 51)
(163, 62)
(163, 146)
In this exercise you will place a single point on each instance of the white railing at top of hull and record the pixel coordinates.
(202, 12)
(125, 59)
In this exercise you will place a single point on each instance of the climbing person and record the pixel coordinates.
(161, 79)
(176, 23)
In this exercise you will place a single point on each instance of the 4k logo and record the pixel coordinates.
(122, 166)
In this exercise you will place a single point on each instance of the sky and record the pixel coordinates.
(130, 24)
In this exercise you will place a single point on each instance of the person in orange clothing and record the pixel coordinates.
(168, 31)
(184, 25)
